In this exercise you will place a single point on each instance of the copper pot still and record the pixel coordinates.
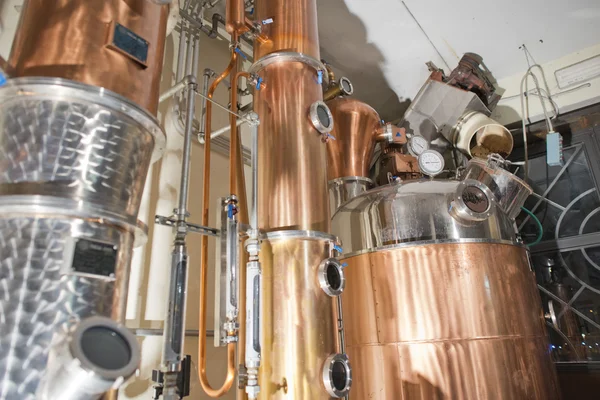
(440, 301)
(114, 44)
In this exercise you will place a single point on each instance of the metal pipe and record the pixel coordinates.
(196, 56)
(220, 131)
(189, 52)
(160, 332)
(181, 52)
(187, 148)
(176, 88)
(204, 257)
(254, 166)
(208, 73)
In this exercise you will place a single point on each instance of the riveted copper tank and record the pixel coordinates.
(440, 302)
(114, 44)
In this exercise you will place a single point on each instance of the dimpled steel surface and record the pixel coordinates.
(70, 140)
(37, 298)
(73, 161)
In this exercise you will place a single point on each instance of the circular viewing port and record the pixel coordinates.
(346, 86)
(475, 199)
(337, 375)
(105, 348)
(331, 277)
(321, 117)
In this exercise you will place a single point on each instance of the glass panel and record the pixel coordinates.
(570, 200)
(570, 291)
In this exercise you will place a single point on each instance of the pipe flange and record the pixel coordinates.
(289, 56)
(321, 117)
(331, 277)
(337, 375)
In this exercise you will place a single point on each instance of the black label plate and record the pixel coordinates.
(94, 258)
(130, 43)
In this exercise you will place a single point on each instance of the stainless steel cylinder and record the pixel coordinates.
(343, 189)
(73, 161)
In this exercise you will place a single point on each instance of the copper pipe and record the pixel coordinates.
(230, 377)
(235, 15)
(331, 74)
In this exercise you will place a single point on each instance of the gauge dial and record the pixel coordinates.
(417, 145)
(431, 162)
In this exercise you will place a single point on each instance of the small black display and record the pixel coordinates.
(130, 43)
(94, 258)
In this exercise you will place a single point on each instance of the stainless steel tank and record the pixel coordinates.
(73, 161)
(440, 300)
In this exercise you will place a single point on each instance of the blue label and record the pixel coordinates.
(130, 43)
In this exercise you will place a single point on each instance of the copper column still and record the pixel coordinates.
(297, 318)
(77, 136)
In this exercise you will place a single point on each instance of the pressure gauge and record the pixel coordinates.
(417, 145)
(431, 162)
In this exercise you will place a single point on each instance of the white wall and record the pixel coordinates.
(567, 99)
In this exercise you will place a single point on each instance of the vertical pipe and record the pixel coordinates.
(254, 167)
(196, 55)
(187, 148)
(208, 73)
(181, 53)
(189, 52)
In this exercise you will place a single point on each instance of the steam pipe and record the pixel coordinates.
(189, 52)
(204, 257)
(187, 148)
(181, 53)
(208, 73)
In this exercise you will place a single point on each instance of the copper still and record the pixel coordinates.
(77, 136)
(300, 356)
(114, 44)
(441, 301)
(357, 129)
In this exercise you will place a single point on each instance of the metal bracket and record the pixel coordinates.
(173, 222)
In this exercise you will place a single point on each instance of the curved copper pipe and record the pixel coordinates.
(230, 377)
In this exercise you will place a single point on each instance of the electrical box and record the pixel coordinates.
(554, 150)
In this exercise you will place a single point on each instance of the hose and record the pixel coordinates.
(539, 226)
